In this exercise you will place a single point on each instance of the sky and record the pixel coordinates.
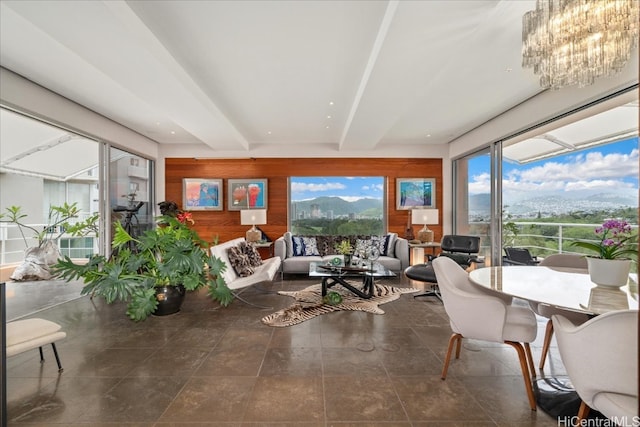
(602, 169)
(349, 188)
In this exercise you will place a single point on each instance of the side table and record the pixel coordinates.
(264, 248)
(417, 251)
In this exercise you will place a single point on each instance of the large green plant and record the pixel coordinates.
(172, 254)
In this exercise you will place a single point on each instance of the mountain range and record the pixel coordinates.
(339, 206)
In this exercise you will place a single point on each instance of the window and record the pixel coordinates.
(542, 190)
(337, 205)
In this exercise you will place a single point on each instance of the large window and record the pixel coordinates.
(543, 192)
(337, 205)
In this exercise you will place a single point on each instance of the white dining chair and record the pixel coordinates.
(477, 314)
(601, 359)
(546, 310)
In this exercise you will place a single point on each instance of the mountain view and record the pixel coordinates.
(337, 206)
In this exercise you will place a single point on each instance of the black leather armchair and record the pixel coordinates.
(462, 249)
(519, 256)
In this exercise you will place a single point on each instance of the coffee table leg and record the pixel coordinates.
(367, 287)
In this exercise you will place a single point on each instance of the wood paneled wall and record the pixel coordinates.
(225, 224)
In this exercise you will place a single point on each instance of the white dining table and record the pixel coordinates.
(567, 288)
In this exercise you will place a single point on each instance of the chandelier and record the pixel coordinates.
(570, 42)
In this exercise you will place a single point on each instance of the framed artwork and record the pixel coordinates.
(247, 194)
(200, 194)
(415, 193)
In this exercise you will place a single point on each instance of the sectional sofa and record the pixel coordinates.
(296, 251)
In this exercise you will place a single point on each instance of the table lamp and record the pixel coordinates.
(253, 217)
(424, 216)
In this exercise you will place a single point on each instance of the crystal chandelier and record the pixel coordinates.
(570, 42)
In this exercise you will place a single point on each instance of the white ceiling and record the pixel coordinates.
(233, 75)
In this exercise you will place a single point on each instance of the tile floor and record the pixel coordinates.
(210, 366)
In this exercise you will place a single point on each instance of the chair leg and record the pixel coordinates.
(532, 369)
(41, 355)
(455, 338)
(522, 356)
(583, 412)
(547, 342)
(434, 292)
(55, 353)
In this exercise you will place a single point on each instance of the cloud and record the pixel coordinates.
(301, 187)
(590, 171)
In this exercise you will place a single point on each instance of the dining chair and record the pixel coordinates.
(546, 310)
(601, 359)
(462, 249)
(480, 314)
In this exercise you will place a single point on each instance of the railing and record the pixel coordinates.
(12, 243)
(559, 242)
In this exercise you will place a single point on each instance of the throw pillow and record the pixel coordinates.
(391, 244)
(288, 242)
(239, 262)
(297, 246)
(255, 260)
(310, 246)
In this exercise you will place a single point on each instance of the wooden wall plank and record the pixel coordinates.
(225, 224)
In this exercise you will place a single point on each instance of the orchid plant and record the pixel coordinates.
(616, 241)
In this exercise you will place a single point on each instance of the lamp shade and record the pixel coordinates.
(424, 216)
(253, 216)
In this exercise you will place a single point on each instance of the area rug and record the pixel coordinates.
(309, 303)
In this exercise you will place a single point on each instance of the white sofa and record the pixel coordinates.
(396, 259)
(264, 273)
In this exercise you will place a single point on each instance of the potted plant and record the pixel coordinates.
(345, 249)
(60, 220)
(144, 271)
(615, 249)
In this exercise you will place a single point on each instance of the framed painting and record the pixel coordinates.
(200, 194)
(247, 194)
(415, 193)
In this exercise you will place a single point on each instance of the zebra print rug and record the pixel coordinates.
(309, 303)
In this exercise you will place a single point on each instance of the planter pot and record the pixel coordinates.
(609, 272)
(347, 260)
(170, 299)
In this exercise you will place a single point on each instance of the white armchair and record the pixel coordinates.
(546, 310)
(477, 314)
(601, 358)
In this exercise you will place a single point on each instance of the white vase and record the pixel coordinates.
(609, 272)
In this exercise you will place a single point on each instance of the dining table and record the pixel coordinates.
(562, 287)
(565, 288)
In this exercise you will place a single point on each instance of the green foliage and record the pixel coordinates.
(344, 248)
(58, 223)
(169, 255)
(337, 227)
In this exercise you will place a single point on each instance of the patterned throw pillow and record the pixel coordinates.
(297, 245)
(255, 260)
(239, 261)
(310, 246)
(361, 245)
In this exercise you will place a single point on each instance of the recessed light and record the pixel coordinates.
(428, 135)
(326, 127)
(508, 69)
(173, 132)
(330, 102)
(268, 132)
(328, 117)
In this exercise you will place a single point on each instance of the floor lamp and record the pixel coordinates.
(253, 217)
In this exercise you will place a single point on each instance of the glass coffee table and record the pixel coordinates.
(337, 274)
